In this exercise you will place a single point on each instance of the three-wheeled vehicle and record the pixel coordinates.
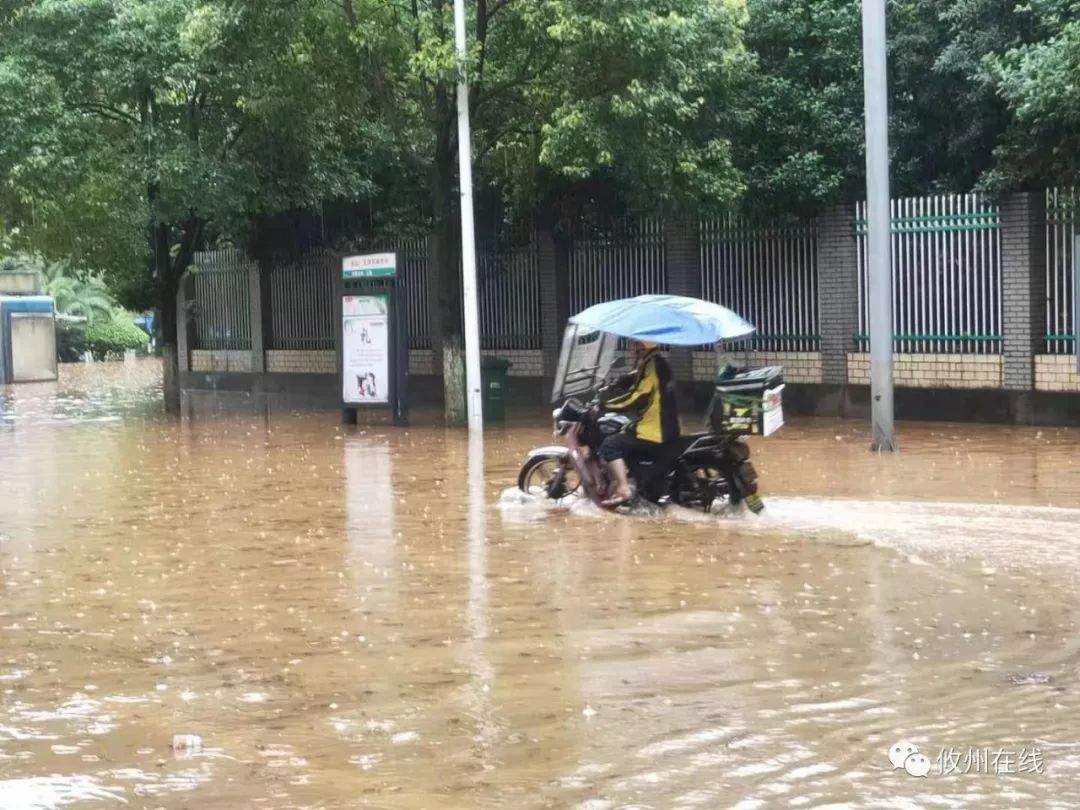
(711, 470)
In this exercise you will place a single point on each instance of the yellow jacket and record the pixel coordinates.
(652, 398)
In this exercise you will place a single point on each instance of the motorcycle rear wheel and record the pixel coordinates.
(706, 488)
(549, 477)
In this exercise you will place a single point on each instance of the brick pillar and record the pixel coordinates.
(838, 291)
(682, 247)
(259, 303)
(554, 260)
(1023, 286)
(185, 329)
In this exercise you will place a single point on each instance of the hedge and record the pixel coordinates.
(115, 336)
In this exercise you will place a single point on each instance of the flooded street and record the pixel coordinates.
(347, 619)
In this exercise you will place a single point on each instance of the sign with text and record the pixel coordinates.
(365, 349)
(371, 265)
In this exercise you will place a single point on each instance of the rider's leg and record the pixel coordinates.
(622, 481)
(613, 452)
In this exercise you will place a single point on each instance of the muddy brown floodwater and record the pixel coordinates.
(347, 621)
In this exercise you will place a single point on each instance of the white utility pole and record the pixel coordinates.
(875, 91)
(468, 233)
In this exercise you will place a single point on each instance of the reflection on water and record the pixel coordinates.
(351, 617)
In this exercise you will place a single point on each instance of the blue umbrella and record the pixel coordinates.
(671, 319)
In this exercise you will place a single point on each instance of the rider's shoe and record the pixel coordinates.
(618, 500)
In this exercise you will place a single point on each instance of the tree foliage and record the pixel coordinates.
(173, 121)
(78, 293)
(113, 336)
(802, 140)
(1039, 82)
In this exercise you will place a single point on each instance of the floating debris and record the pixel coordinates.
(186, 744)
(1030, 679)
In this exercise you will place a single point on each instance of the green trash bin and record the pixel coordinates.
(493, 389)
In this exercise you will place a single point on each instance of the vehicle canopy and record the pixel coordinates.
(592, 336)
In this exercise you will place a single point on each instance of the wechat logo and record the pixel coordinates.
(906, 755)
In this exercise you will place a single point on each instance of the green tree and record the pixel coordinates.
(82, 297)
(1039, 82)
(174, 119)
(114, 335)
(561, 91)
(801, 143)
(947, 117)
(81, 294)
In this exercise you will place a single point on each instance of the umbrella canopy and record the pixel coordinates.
(671, 319)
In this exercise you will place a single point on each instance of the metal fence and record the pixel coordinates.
(221, 294)
(1062, 228)
(509, 297)
(302, 302)
(620, 261)
(766, 273)
(946, 269)
(414, 267)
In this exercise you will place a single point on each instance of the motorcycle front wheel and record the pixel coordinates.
(549, 477)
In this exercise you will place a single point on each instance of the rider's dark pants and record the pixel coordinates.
(626, 446)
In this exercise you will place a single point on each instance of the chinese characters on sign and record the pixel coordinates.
(373, 265)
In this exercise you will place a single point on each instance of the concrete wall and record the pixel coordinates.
(21, 283)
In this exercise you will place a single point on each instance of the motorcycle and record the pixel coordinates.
(709, 471)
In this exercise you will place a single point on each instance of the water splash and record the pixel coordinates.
(47, 792)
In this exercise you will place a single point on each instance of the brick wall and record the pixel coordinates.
(682, 248)
(221, 360)
(315, 361)
(799, 367)
(933, 370)
(838, 290)
(422, 362)
(1023, 286)
(523, 362)
(1056, 372)
(554, 299)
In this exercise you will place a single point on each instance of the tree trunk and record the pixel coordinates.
(167, 270)
(446, 243)
(166, 317)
